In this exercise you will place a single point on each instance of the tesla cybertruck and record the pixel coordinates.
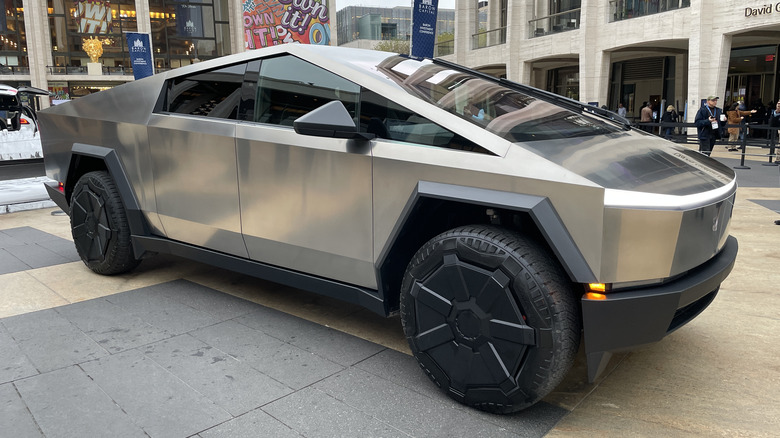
(504, 224)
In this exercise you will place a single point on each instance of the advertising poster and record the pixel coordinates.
(424, 14)
(272, 22)
(93, 16)
(140, 54)
(60, 92)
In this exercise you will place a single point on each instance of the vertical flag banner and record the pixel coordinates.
(424, 14)
(189, 20)
(93, 16)
(273, 22)
(140, 54)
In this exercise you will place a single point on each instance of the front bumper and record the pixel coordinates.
(628, 319)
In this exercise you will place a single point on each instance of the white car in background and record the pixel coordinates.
(15, 116)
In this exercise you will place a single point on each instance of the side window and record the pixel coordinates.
(289, 87)
(215, 93)
(386, 119)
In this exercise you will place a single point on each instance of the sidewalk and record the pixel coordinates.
(176, 348)
(24, 194)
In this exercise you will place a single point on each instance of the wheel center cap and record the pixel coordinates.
(468, 324)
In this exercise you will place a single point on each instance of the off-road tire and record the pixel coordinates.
(98, 222)
(490, 316)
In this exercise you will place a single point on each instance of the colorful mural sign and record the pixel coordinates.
(273, 22)
(93, 16)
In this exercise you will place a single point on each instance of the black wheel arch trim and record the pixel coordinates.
(539, 208)
(136, 220)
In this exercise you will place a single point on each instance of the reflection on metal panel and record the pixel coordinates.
(655, 244)
(196, 181)
(306, 202)
(400, 166)
(636, 162)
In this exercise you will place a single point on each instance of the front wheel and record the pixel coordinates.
(490, 316)
(98, 222)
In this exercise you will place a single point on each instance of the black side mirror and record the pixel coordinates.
(329, 120)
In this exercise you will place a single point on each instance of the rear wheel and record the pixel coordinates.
(490, 316)
(98, 222)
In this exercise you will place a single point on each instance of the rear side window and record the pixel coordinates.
(216, 93)
(289, 87)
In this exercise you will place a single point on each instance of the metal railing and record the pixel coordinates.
(82, 70)
(14, 70)
(751, 136)
(555, 23)
(444, 48)
(488, 38)
(625, 9)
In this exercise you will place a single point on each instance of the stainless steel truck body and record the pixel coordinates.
(502, 222)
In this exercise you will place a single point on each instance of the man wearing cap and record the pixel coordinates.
(708, 124)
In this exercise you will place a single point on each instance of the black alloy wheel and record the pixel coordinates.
(99, 225)
(491, 317)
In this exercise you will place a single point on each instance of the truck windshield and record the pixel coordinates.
(504, 111)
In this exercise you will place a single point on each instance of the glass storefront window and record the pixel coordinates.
(13, 43)
(71, 21)
(184, 32)
(625, 9)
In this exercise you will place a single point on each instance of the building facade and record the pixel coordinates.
(598, 51)
(42, 41)
(631, 51)
(373, 23)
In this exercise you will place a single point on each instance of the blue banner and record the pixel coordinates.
(140, 54)
(189, 21)
(424, 13)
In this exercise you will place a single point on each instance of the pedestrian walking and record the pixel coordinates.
(709, 124)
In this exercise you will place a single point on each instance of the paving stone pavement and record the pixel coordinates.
(179, 359)
(176, 348)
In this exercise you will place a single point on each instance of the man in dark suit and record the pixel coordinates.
(709, 124)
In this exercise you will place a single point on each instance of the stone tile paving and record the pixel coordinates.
(179, 359)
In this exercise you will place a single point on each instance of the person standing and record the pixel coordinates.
(708, 124)
(621, 111)
(734, 117)
(774, 122)
(646, 116)
(670, 116)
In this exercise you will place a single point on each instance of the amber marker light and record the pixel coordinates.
(597, 287)
(596, 291)
(595, 296)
